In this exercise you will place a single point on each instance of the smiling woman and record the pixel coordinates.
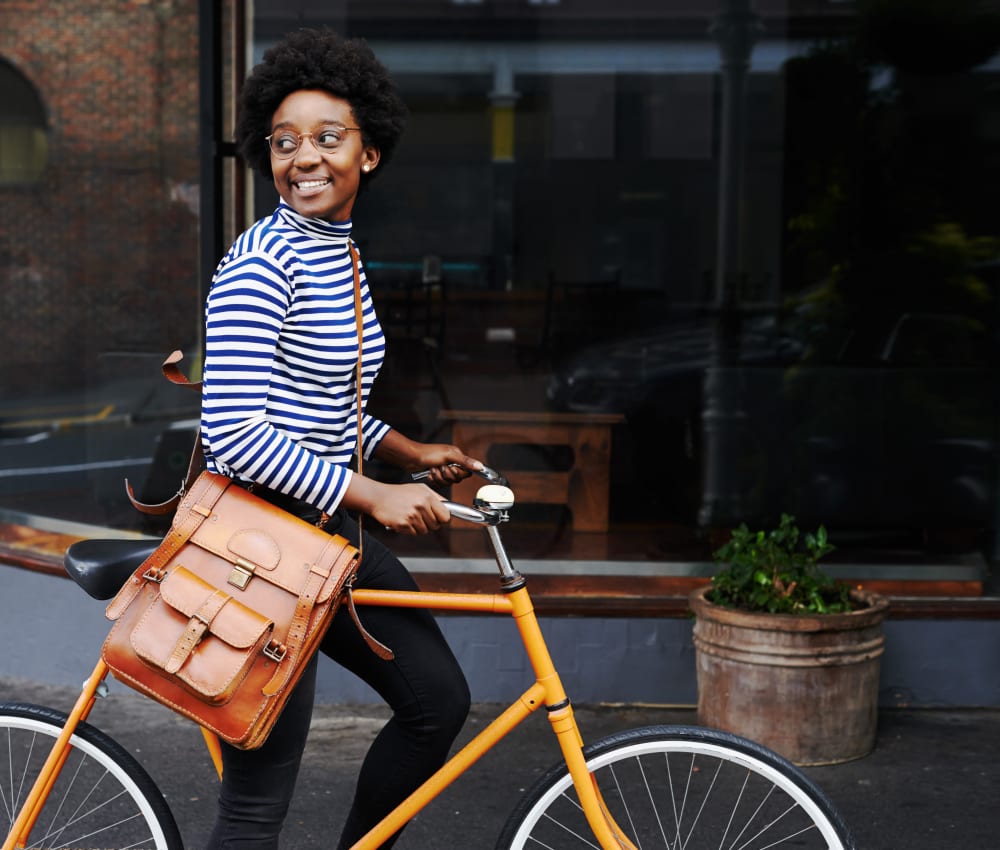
(292, 348)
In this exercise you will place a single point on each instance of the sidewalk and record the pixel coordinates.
(932, 783)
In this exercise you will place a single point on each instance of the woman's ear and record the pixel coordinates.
(369, 159)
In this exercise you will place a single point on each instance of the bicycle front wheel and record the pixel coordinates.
(102, 799)
(683, 788)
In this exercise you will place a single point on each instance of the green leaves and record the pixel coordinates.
(776, 571)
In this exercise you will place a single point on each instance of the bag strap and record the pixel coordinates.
(359, 323)
(180, 533)
(376, 646)
(298, 628)
(173, 373)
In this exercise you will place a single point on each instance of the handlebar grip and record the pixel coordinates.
(466, 512)
(490, 475)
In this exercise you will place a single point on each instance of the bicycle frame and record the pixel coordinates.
(546, 691)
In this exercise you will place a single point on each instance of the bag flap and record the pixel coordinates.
(280, 547)
(231, 621)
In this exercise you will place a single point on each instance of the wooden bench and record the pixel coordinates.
(583, 487)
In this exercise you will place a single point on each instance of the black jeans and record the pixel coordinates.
(423, 685)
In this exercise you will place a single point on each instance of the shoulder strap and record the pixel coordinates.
(172, 371)
(360, 324)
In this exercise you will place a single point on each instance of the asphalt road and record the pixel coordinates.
(932, 783)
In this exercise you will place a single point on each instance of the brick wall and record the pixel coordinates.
(101, 254)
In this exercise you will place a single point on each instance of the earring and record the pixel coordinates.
(366, 167)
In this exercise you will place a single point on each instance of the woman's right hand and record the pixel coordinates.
(409, 508)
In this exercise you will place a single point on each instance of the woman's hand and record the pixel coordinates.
(445, 464)
(409, 508)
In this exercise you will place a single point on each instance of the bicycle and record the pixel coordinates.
(650, 787)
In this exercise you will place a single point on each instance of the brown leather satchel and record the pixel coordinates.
(220, 621)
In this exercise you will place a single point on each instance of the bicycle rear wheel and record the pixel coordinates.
(102, 799)
(682, 787)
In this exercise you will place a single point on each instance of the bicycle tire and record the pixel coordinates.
(103, 797)
(682, 787)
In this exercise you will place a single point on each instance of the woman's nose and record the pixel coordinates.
(308, 150)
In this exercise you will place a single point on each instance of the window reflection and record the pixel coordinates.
(762, 238)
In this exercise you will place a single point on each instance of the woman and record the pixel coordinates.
(321, 117)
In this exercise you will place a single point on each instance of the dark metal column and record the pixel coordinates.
(723, 420)
(210, 123)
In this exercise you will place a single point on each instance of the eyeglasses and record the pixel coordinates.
(285, 144)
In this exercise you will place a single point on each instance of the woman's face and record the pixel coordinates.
(314, 182)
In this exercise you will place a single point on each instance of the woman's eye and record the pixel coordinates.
(329, 138)
(286, 142)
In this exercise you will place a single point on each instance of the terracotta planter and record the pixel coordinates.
(804, 686)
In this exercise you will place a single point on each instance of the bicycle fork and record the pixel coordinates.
(17, 839)
(563, 721)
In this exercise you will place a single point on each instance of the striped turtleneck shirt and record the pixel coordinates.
(279, 405)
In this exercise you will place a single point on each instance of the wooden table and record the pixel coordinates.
(583, 487)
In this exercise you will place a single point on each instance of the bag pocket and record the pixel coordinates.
(200, 636)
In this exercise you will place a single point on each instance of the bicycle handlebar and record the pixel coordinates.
(491, 503)
(468, 513)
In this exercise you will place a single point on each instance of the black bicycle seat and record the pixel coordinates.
(101, 567)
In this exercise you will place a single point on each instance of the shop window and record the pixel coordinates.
(23, 130)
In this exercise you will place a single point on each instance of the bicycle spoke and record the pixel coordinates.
(585, 841)
(781, 840)
(680, 845)
(628, 809)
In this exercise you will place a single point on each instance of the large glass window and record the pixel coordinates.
(671, 266)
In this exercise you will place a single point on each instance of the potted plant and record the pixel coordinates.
(786, 655)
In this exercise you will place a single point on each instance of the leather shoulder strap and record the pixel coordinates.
(174, 374)
(360, 324)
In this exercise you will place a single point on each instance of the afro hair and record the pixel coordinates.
(323, 60)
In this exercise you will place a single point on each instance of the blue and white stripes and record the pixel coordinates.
(278, 398)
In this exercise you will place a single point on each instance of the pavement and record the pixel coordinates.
(931, 783)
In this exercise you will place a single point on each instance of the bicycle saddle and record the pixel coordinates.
(101, 567)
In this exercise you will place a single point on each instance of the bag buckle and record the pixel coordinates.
(155, 574)
(275, 651)
(241, 574)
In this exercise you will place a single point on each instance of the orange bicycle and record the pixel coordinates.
(66, 784)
